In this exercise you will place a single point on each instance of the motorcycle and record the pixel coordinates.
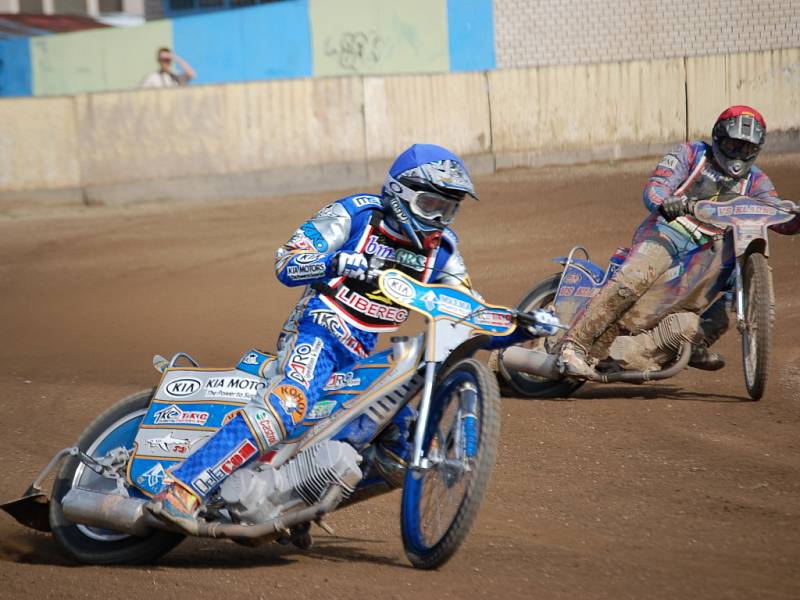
(96, 511)
(658, 331)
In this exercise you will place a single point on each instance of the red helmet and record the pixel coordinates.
(738, 136)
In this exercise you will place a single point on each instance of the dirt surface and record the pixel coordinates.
(677, 489)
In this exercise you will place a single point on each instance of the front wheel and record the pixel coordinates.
(528, 385)
(440, 502)
(116, 428)
(759, 313)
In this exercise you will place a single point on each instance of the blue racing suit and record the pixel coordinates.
(336, 322)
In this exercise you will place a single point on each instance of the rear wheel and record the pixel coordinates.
(440, 503)
(116, 428)
(518, 383)
(759, 313)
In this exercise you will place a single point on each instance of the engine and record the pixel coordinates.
(654, 348)
(261, 493)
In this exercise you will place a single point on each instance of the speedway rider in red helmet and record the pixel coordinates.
(692, 171)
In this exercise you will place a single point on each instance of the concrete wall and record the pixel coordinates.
(770, 81)
(585, 112)
(39, 147)
(259, 138)
(564, 32)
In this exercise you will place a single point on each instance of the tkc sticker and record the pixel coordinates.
(173, 414)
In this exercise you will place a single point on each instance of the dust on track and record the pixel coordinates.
(681, 487)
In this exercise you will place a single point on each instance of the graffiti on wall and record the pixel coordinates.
(379, 36)
(355, 50)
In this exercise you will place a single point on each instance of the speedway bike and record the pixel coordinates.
(658, 331)
(96, 511)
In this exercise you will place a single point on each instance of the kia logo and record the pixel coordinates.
(183, 387)
(399, 288)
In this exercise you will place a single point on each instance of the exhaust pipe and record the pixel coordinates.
(534, 362)
(110, 511)
(129, 515)
(546, 365)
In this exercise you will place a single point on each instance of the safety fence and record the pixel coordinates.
(292, 135)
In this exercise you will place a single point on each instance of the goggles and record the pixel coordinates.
(431, 206)
(738, 149)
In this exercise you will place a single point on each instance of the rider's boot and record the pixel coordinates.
(574, 361)
(392, 448)
(177, 505)
(714, 322)
(231, 447)
(704, 359)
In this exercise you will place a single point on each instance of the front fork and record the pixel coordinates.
(466, 433)
(740, 322)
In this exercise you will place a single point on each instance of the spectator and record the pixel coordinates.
(165, 76)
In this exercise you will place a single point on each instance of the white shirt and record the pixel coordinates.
(160, 79)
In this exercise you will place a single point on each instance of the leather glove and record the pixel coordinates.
(546, 323)
(674, 207)
(352, 264)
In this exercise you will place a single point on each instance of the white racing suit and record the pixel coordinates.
(335, 323)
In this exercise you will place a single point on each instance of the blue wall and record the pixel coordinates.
(471, 35)
(271, 41)
(15, 67)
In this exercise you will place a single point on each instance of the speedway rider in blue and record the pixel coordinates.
(340, 313)
(721, 170)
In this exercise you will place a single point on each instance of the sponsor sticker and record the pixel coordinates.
(566, 290)
(669, 161)
(454, 306)
(292, 400)
(375, 248)
(572, 278)
(321, 409)
(179, 388)
(360, 201)
(211, 476)
(338, 381)
(169, 443)
(411, 259)
(336, 325)
(265, 422)
(302, 362)
(313, 234)
(585, 292)
(398, 288)
(305, 258)
(328, 212)
(235, 388)
(312, 271)
(251, 358)
(174, 415)
(153, 477)
(493, 318)
(366, 307)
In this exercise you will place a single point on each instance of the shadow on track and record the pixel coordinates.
(27, 547)
(652, 392)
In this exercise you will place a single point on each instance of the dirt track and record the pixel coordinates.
(679, 489)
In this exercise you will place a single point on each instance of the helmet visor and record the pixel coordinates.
(431, 206)
(738, 149)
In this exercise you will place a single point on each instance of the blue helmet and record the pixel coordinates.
(423, 190)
